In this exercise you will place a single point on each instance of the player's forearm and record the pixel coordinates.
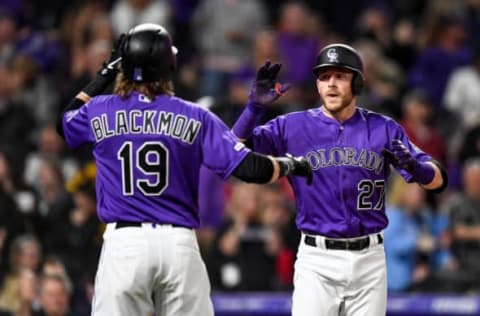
(276, 170)
(261, 169)
(258, 168)
(255, 168)
(93, 88)
(247, 121)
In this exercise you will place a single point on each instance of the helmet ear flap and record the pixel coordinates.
(357, 84)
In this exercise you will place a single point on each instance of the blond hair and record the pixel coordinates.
(124, 87)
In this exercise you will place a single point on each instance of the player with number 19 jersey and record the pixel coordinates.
(149, 143)
(347, 198)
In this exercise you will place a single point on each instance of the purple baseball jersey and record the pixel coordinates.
(149, 153)
(347, 197)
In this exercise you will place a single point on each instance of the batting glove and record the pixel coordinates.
(401, 157)
(297, 166)
(107, 73)
(265, 89)
(111, 66)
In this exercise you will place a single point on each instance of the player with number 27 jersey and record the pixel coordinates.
(143, 166)
(340, 267)
(350, 170)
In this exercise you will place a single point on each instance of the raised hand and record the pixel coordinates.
(265, 88)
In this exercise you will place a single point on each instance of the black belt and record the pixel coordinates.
(354, 244)
(122, 224)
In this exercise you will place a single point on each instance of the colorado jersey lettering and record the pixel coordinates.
(347, 196)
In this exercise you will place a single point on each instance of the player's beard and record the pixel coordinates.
(336, 108)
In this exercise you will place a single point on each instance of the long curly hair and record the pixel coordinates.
(124, 87)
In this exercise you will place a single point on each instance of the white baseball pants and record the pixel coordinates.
(331, 282)
(151, 270)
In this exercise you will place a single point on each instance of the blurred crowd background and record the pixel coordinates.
(422, 67)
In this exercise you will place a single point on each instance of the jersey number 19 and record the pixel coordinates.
(151, 160)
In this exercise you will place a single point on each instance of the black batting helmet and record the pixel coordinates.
(148, 54)
(341, 56)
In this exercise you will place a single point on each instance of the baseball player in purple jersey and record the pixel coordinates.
(148, 146)
(340, 267)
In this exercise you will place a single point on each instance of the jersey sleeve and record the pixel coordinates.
(267, 139)
(76, 126)
(222, 152)
(400, 134)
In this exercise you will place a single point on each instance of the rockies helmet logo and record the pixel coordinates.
(332, 55)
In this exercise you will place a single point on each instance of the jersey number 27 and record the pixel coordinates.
(367, 190)
(151, 160)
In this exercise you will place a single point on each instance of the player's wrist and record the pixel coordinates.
(423, 172)
(97, 85)
(247, 121)
(256, 107)
(296, 166)
(286, 166)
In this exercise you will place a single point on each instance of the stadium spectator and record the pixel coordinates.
(417, 120)
(402, 47)
(54, 205)
(374, 24)
(34, 66)
(28, 294)
(464, 210)
(16, 121)
(79, 239)
(50, 147)
(462, 94)
(445, 52)
(224, 40)
(25, 255)
(462, 99)
(283, 236)
(413, 259)
(21, 204)
(240, 258)
(182, 12)
(86, 25)
(54, 296)
(470, 147)
(297, 43)
(125, 14)
(9, 30)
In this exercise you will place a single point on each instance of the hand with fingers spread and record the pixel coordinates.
(265, 89)
(402, 158)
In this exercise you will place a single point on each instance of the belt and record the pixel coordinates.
(342, 244)
(122, 224)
